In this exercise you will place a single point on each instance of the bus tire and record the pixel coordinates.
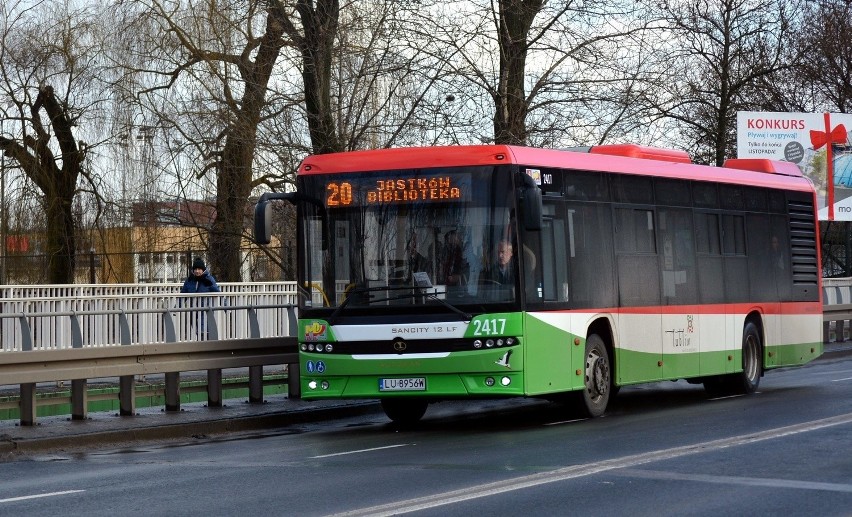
(597, 378)
(404, 410)
(747, 381)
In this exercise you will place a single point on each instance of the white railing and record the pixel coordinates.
(837, 291)
(51, 313)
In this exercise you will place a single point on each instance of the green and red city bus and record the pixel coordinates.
(621, 264)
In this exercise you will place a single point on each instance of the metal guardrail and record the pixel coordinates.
(836, 309)
(48, 362)
(836, 322)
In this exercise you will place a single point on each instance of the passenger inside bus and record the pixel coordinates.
(453, 266)
(416, 261)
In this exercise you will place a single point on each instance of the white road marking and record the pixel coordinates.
(567, 421)
(844, 379)
(731, 396)
(36, 496)
(733, 480)
(360, 451)
(576, 471)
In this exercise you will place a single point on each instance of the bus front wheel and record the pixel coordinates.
(597, 378)
(404, 410)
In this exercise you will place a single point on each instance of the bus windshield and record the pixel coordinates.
(378, 240)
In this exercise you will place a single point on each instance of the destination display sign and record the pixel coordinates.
(384, 190)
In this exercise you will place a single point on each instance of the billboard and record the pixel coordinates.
(818, 143)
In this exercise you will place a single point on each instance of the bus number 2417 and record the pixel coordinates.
(492, 327)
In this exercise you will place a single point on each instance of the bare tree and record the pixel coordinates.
(49, 64)
(552, 70)
(727, 48)
(827, 71)
(313, 29)
(212, 64)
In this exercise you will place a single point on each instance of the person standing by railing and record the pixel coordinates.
(200, 281)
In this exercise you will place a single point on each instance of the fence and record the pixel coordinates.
(52, 316)
(85, 332)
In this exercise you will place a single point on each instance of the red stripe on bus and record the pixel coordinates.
(778, 308)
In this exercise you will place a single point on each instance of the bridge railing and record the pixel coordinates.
(89, 332)
(100, 303)
(837, 309)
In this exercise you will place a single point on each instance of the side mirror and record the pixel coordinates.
(263, 216)
(262, 222)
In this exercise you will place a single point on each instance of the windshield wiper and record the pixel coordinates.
(467, 317)
(362, 290)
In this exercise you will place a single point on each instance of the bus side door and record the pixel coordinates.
(640, 350)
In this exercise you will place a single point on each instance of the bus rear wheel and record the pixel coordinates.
(747, 381)
(597, 379)
(404, 410)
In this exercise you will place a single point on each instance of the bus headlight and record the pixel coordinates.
(489, 381)
(505, 381)
(312, 385)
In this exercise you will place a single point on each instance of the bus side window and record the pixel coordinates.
(680, 282)
(548, 281)
(553, 276)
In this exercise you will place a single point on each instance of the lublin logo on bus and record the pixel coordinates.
(315, 331)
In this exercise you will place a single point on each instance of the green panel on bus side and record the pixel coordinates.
(675, 366)
(637, 367)
(770, 356)
(790, 355)
(550, 367)
(679, 366)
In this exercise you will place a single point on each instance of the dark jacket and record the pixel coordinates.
(506, 277)
(200, 284)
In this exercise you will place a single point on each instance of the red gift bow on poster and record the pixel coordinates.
(838, 136)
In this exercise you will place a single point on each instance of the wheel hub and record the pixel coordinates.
(597, 372)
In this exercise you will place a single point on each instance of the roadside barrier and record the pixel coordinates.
(198, 336)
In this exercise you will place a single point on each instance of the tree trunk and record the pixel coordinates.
(233, 187)
(515, 20)
(316, 44)
(60, 240)
(234, 181)
(57, 184)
